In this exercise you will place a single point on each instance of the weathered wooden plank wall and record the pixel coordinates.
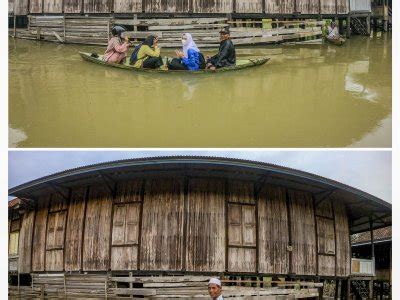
(167, 6)
(307, 6)
(249, 6)
(162, 225)
(52, 6)
(213, 6)
(39, 235)
(74, 230)
(343, 6)
(303, 233)
(36, 6)
(72, 6)
(21, 7)
(326, 246)
(96, 244)
(360, 5)
(25, 242)
(10, 6)
(273, 231)
(279, 6)
(127, 6)
(97, 6)
(328, 7)
(205, 246)
(342, 240)
(125, 231)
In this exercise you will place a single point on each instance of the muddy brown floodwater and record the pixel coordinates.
(305, 96)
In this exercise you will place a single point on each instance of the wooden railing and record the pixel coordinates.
(362, 267)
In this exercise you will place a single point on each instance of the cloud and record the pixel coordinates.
(369, 171)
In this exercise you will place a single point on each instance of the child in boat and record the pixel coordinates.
(116, 48)
(148, 56)
(189, 58)
(226, 55)
(333, 32)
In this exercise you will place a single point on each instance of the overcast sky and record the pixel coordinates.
(369, 171)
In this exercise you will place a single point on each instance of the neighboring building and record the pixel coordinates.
(190, 215)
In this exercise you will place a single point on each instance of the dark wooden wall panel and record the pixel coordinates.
(128, 191)
(241, 192)
(342, 240)
(307, 6)
(10, 6)
(74, 229)
(127, 6)
(20, 7)
(213, 6)
(25, 242)
(162, 225)
(35, 7)
(55, 241)
(249, 6)
(167, 6)
(124, 258)
(326, 265)
(39, 235)
(205, 247)
(72, 6)
(326, 236)
(303, 233)
(97, 6)
(328, 6)
(273, 231)
(52, 6)
(96, 244)
(324, 208)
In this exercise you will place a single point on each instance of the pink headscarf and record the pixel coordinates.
(189, 44)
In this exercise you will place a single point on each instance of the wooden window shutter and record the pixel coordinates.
(249, 225)
(59, 230)
(132, 223)
(235, 224)
(13, 243)
(51, 224)
(118, 233)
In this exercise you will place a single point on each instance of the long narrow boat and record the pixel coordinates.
(240, 64)
(338, 42)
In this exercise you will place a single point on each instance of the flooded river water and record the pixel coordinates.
(305, 96)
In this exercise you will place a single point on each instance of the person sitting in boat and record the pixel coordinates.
(189, 58)
(333, 32)
(148, 54)
(226, 55)
(117, 49)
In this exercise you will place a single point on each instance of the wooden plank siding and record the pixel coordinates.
(206, 225)
(303, 233)
(39, 235)
(213, 6)
(21, 7)
(55, 241)
(97, 6)
(343, 6)
(10, 6)
(52, 6)
(96, 249)
(342, 240)
(328, 7)
(74, 230)
(273, 231)
(157, 6)
(72, 6)
(25, 242)
(127, 6)
(36, 6)
(162, 225)
(307, 6)
(249, 6)
(279, 6)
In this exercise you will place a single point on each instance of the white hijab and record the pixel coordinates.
(189, 44)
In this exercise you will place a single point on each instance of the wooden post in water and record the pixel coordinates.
(348, 21)
(15, 26)
(108, 30)
(368, 20)
(65, 31)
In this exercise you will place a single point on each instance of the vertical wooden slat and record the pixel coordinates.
(289, 216)
(142, 194)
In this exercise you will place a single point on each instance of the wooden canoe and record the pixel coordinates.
(240, 64)
(339, 41)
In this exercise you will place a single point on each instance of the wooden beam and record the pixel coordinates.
(142, 193)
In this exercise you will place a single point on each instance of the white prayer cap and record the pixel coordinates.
(215, 281)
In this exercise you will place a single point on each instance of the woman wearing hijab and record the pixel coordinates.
(188, 58)
(148, 56)
(117, 48)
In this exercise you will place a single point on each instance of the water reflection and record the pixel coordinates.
(306, 96)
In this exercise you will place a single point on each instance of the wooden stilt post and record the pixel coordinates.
(348, 292)
(108, 30)
(15, 26)
(65, 31)
(368, 20)
(348, 20)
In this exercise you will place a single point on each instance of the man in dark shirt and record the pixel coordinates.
(226, 55)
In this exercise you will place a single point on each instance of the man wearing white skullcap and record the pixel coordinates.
(215, 289)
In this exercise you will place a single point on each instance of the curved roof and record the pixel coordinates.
(362, 207)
